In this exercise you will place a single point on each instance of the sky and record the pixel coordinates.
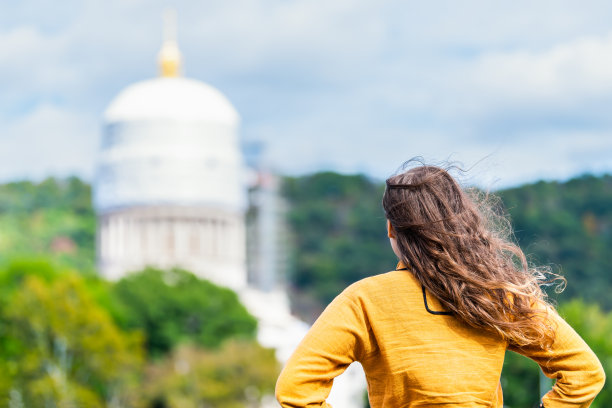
(516, 91)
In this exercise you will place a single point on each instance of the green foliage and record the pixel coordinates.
(59, 348)
(339, 232)
(54, 218)
(174, 306)
(234, 376)
(340, 236)
(520, 381)
(19, 269)
(568, 225)
(595, 327)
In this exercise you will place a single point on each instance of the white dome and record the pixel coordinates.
(171, 98)
(170, 141)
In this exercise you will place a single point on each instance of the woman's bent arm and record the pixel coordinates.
(333, 342)
(571, 362)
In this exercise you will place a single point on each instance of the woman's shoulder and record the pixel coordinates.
(384, 284)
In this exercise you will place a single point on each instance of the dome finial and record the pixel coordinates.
(170, 56)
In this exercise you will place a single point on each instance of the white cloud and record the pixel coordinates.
(564, 75)
(347, 84)
(30, 67)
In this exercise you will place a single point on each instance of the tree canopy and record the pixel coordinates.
(71, 340)
(173, 306)
(234, 376)
(73, 323)
(569, 226)
(53, 218)
(62, 349)
(339, 232)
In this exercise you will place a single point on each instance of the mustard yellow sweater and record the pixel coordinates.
(415, 355)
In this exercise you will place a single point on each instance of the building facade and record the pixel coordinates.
(169, 188)
(171, 191)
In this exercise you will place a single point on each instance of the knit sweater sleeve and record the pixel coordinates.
(578, 373)
(330, 346)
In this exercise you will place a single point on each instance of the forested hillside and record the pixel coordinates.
(338, 229)
(568, 225)
(53, 218)
(340, 237)
(47, 246)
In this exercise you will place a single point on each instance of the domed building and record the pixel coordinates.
(169, 185)
(169, 191)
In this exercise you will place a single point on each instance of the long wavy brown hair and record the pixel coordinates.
(458, 245)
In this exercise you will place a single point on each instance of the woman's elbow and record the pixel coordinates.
(599, 378)
(594, 379)
(283, 389)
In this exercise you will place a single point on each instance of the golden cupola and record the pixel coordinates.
(169, 57)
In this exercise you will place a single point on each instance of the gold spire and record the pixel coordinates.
(170, 56)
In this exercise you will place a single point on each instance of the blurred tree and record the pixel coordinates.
(53, 217)
(568, 225)
(339, 237)
(173, 306)
(235, 376)
(520, 381)
(595, 327)
(18, 269)
(339, 232)
(60, 349)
